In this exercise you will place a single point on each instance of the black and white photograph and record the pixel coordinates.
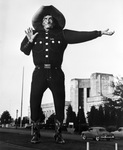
(61, 76)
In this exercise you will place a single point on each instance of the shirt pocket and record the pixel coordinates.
(55, 44)
(38, 45)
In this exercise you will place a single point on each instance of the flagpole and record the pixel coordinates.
(22, 97)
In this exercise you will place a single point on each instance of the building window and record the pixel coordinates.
(81, 97)
(88, 92)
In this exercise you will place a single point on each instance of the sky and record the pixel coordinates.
(103, 55)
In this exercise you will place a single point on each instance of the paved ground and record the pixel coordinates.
(8, 146)
(18, 139)
(44, 133)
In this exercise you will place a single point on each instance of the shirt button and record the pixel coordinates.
(46, 32)
(40, 42)
(46, 56)
(46, 43)
(46, 37)
(46, 49)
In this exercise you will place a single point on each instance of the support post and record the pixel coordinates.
(116, 146)
(87, 146)
(22, 97)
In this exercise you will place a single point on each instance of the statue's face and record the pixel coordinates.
(47, 22)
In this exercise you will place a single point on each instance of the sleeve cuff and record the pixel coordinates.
(99, 33)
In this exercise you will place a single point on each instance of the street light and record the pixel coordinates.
(16, 117)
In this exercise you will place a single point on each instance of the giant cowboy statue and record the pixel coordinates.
(48, 41)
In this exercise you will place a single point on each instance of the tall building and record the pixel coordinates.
(90, 92)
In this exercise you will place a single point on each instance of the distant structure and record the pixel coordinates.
(49, 109)
(86, 93)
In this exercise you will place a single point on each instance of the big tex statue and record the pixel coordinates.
(48, 41)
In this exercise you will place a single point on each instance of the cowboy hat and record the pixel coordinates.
(47, 10)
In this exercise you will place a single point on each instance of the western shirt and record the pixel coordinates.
(48, 47)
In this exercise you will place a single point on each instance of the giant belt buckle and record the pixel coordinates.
(47, 66)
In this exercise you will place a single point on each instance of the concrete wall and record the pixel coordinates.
(100, 86)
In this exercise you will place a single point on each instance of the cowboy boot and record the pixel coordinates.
(58, 135)
(35, 133)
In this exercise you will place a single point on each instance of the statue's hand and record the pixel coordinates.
(30, 35)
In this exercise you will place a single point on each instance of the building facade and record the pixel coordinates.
(49, 109)
(90, 92)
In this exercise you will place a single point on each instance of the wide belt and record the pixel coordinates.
(47, 66)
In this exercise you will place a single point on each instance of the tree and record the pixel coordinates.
(113, 108)
(17, 121)
(6, 117)
(113, 116)
(50, 123)
(71, 116)
(106, 115)
(81, 116)
(100, 116)
(120, 119)
(93, 116)
(25, 120)
(80, 120)
(118, 91)
(51, 119)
